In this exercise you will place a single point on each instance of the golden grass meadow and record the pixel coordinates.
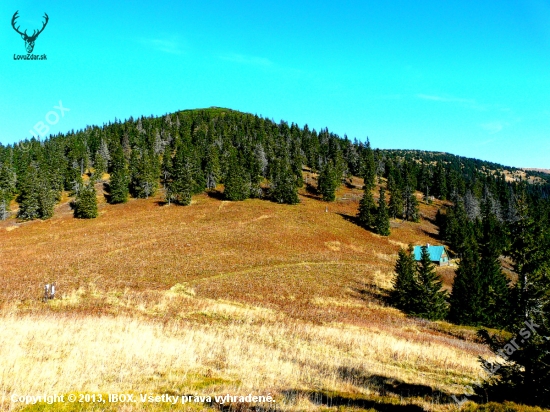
(223, 298)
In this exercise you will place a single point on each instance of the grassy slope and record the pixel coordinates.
(222, 297)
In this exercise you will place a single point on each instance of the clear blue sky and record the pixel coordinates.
(467, 77)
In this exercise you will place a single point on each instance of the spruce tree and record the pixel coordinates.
(85, 205)
(382, 222)
(73, 177)
(410, 204)
(405, 288)
(8, 182)
(521, 372)
(396, 203)
(457, 227)
(180, 187)
(327, 182)
(212, 167)
(467, 300)
(100, 165)
(367, 210)
(497, 305)
(237, 180)
(46, 199)
(104, 152)
(283, 183)
(440, 180)
(197, 173)
(28, 199)
(523, 376)
(431, 299)
(526, 253)
(118, 185)
(144, 167)
(167, 165)
(101, 159)
(369, 166)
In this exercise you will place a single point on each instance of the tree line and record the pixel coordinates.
(188, 152)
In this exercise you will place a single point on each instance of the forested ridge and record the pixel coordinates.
(190, 151)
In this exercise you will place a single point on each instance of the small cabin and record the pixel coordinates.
(438, 254)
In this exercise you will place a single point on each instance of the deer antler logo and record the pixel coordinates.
(29, 40)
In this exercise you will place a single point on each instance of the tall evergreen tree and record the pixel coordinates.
(36, 197)
(167, 165)
(521, 373)
(120, 179)
(497, 305)
(369, 166)
(46, 199)
(396, 199)
(410, 204)
(328, 182)
(212, 167)
(440, 180)
(366, 215)
(283, 183)
(85, 205)
(524, 375)
(526, 254)
(8, 182)
(431, 300)
(382, 222)
(101, 159)
(73, 177)
(237, 180)
(405, 288)
(467, 300)
(100, 165)
(457, 228)
(180, 188)
(28, 199)
(144, 167)
(104, 151)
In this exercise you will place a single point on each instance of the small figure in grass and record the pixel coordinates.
(52, 291)
(46, 292)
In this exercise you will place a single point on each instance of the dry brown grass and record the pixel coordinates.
(221, 296)
(213, 347)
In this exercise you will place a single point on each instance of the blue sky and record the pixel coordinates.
(466, 77)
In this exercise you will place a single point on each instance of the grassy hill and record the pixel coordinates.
(223, 298)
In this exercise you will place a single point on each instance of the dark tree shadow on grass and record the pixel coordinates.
(371, 293)
(351, 219)
(433, 235)
(215, 194)
(355, 221)
(329, 399)
(106, 192)
(388, 386)
(311, 189)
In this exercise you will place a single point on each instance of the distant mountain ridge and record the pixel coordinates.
(190, 151)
